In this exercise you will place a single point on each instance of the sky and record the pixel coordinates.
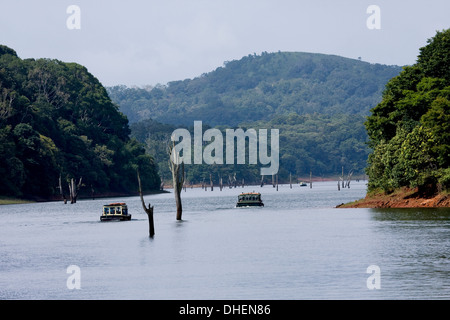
(139, 43)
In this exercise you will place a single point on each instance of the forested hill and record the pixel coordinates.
(257, 87)
(318, 102)
(56, 120)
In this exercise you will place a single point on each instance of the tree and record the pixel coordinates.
(148, 210)
(56, 119)
(434, 58)
(177, 170)
(437, 119)
(74, 189)
(409, 128)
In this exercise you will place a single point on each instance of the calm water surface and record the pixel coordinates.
(297, 247)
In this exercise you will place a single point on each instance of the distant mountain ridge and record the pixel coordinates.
(318, 102)
(258, 87)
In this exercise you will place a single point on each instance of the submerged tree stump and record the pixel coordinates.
(176, 166)
(148, 210)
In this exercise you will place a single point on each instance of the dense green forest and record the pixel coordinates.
(321, 144)
(318, 102)
(258, 87)
(409, 129)
(56, 120)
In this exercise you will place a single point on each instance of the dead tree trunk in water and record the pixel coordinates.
(177, 170)
(63, 195)
(290, 180)
(349, 178)
(73, 190)
(148, 211)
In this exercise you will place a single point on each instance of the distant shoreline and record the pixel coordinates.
(5, 200)
(14, 200)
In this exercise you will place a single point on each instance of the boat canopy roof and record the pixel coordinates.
(250, 195)
(117, 204)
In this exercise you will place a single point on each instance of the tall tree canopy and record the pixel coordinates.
(57, 119)
(409, 130)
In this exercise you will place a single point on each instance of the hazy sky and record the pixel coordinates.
(137, 42)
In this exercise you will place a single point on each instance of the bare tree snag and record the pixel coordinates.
(61, 190)
(148, 211)
(73, 190)
(177, 170)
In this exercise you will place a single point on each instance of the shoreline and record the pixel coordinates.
(29, 200)
(403, 198)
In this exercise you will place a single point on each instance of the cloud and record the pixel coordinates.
(148, 42)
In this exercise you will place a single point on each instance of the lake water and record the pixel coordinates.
(296, 247)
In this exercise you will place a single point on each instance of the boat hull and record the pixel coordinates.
(115, 217)
(249, 204)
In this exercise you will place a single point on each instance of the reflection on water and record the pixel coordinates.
(412, 214)
(414, 245)
(297, 247)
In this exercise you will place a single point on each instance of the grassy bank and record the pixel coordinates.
(8, 200)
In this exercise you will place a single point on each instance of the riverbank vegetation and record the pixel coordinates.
(57, 122)
(9, 200)
(409, 130)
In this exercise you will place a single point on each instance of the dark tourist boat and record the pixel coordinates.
(250, 199)
(115, 212)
